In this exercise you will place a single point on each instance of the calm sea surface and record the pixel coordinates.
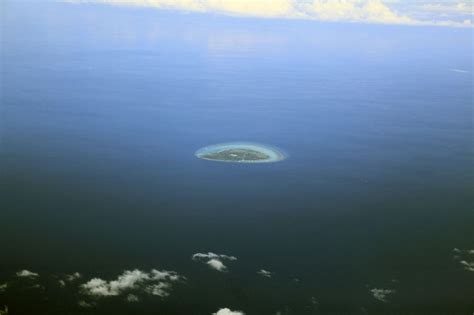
(103, 108)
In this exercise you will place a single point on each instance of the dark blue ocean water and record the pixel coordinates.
(103, 107)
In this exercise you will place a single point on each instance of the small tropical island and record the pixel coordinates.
(241, 152)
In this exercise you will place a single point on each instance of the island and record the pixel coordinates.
(241, 152)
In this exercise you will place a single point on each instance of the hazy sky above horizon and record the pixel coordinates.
(452, 13)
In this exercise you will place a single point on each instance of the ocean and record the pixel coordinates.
(103, 109)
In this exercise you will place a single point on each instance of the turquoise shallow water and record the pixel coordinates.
(100, 123)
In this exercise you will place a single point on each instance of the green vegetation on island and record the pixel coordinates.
(236, 155)
(240, 152)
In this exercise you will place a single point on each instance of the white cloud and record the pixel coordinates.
(469, 266)
(459, 71)
(155, 282)
(265, 273)
(217, 264)
(100, 287)
(226, 311)
(381, 294)
(84, 304)
(3, 287)
(314, 302)
(462, 256)
(132, 298)
(73, 276)
(27, 274)
(213, 255)
(68, 278)
(369, 11)
(165, 275)
(260, 8)
(160, 289)
(361, 11)
(446, 7)
(37, 286)
(214, 261)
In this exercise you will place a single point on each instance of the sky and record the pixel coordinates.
(449, 13)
